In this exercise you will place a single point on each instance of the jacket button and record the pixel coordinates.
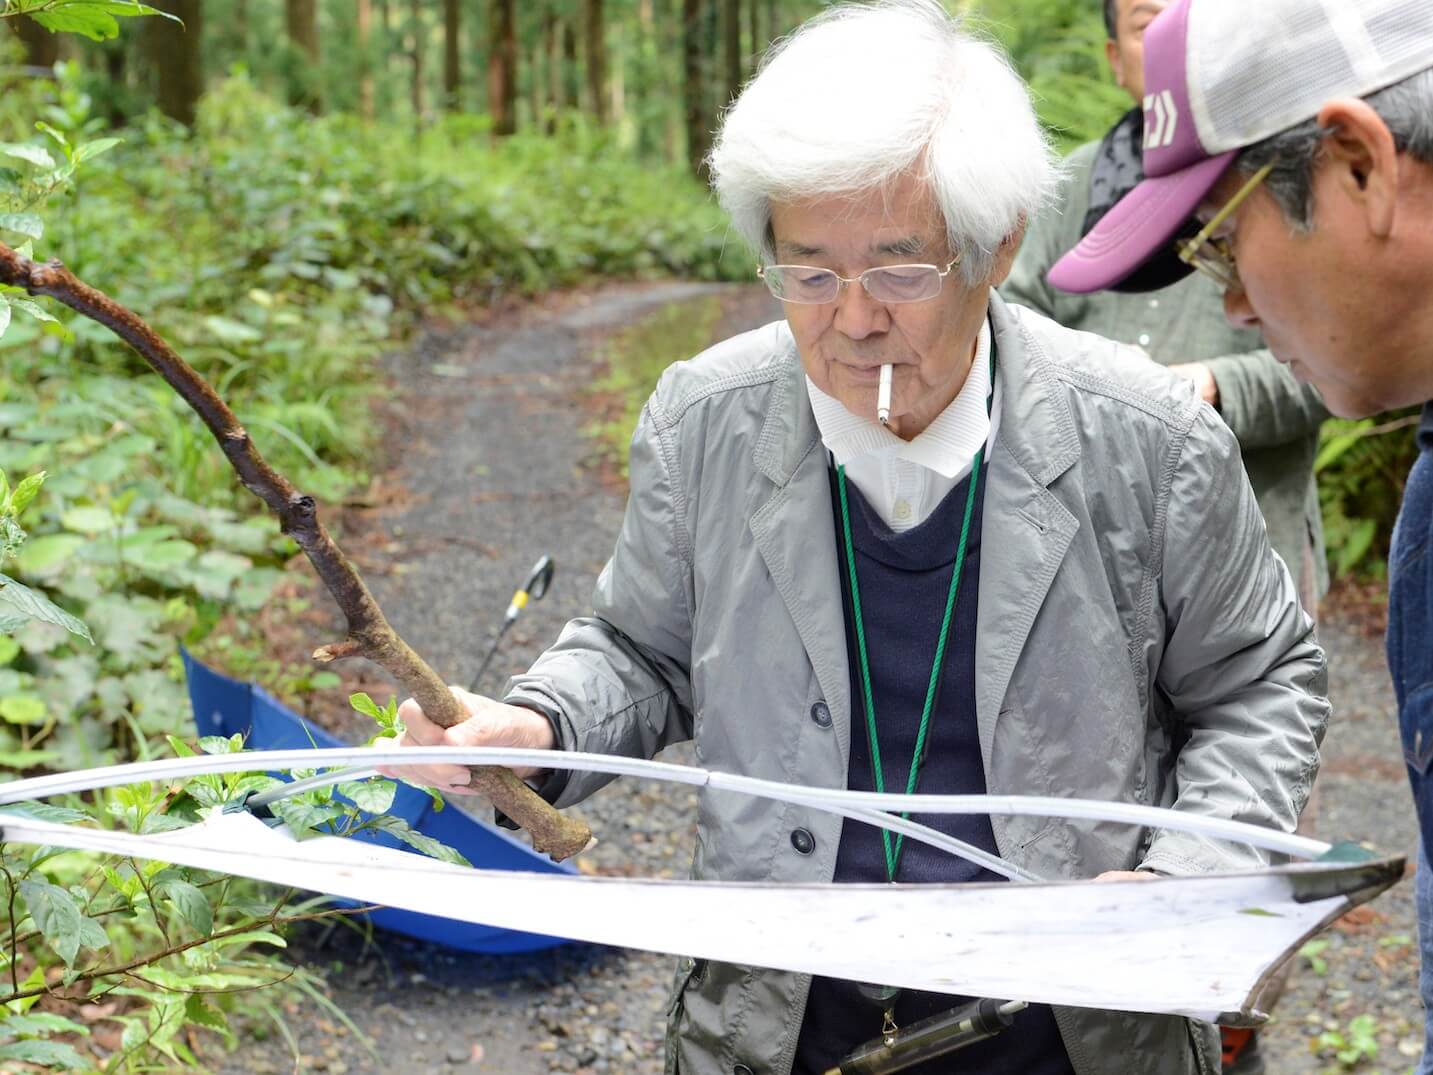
(741, 1069)
(821, 714)
(803, 841)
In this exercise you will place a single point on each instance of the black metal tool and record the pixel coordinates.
(538, 580)
(936, 1036)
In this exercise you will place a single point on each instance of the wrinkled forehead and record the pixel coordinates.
(900, 217)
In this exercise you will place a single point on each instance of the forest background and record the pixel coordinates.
(285, 188)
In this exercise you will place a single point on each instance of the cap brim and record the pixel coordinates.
(1138, 227)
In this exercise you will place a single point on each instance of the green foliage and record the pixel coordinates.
(95, 19)
(1361, 467)
(279, 253)
(636, 357)
(1352, 1045)
(1058, 47)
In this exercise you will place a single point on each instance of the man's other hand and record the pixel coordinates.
(490, 724)
(1127, 875)
(1203, 379)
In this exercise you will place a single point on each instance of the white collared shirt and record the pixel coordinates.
(905, 480)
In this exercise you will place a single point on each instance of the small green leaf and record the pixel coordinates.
(60, 815)
(53, 1054)
(191, 903)
(374, 796)
(27, 224)
(47, 554)
(56, 915)
(365, 705)
(88, 519)
(36, 155)
(22, 709)
(40, 1023)
(25, 492)
(91, 150)
(399, 828)
(180, 747)
(35, 604)
(303, 817)
(200, 1012)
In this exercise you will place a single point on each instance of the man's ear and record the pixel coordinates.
(1005, 254)
(1360, 149)
(1112, 55)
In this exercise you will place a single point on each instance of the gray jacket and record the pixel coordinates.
(1137, 640)
(1275, 419)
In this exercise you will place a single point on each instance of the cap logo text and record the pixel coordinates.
(1161, 117)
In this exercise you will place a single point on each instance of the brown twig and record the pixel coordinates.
(369, 633)
(144, 961)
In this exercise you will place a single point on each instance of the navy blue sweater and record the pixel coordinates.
(904, 580)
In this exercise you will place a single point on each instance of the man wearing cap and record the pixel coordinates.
(1297, 145)
(1181, 324)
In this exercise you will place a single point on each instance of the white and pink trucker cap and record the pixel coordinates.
(1224, 74)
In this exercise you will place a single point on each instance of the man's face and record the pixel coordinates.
(1315, 296)
(843, 344)
(1126, 51)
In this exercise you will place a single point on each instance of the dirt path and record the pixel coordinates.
(497, 468)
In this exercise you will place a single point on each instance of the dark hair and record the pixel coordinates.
(1112, 15)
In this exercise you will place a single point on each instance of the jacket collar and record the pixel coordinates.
(1036, 426)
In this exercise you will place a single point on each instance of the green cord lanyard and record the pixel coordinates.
(893, 852)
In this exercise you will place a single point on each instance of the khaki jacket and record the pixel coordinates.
(1137, 640)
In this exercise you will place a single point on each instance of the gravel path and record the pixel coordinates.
(497, 463)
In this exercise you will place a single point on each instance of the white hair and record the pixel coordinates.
(864, 94)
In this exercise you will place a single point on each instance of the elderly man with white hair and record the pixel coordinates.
(913, 538)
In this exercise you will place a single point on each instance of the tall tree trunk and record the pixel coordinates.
(502, 68)
(181, 76)
(694, 91)
(537, 71)
(552, 45)
(452, 72)
(731, 51)
(301, 23)
(596, 60)
(363, 26)
(415, 20)
(758, 45)
(241, 26)
(42, 47)
(617, 80)
(571, 66)
(116, 57)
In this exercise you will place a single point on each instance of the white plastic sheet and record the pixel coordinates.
(1189, 946)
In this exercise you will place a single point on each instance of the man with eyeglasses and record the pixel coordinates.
(1294, 167)
(1044, 573)
(1181, 323)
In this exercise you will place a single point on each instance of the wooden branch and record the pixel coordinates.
(369, 633)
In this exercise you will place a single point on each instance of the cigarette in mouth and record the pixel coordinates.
(883, 398)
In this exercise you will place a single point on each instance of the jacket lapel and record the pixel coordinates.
(795, 535)
(1027, 531)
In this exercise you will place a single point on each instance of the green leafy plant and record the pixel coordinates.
(1351, 1046)
(95, 19)
(1361, 467)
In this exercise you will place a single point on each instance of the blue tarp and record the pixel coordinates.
(224, 706)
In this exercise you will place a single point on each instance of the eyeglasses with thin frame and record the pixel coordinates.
(1214, 256)
(811, 286)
